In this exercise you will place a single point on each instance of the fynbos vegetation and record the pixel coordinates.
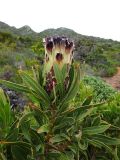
(59, 122)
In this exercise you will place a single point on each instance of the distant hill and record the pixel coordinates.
(6, 28)
(27, 31)
(59, 31)
(24, 31)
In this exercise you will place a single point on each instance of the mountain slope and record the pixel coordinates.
(23, 31)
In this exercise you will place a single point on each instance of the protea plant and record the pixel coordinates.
(58, 51)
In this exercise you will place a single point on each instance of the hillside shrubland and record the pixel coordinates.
(66, 115)
(103, 56)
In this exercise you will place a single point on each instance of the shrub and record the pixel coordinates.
(102, 91)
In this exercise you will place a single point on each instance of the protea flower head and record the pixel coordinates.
(58, 50)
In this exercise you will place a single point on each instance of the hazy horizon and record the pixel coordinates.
(92, 18)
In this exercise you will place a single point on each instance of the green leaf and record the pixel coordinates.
(2, 157)
(39, 95)
(36, 138)
(96, 121)
(40, 78)
(63, 122)
(3, 98)
(25, 127)
(59, 78)
(40, 115)
(21, 150)
(99, 144)
(36, 87)
(64, 157)
(59, 138)
(22, 88)
(24, 118)
(83, 144)
(83, 152)
(69, 155)
(116, 154)
(72, 91)
(53, 155)
(73, 147)
(5, 112)
(84, 114)
(74, 87)
(43, 129)
(2, 117)
(64, 72)
(87, 101)
(15, 86)
(95, 129)
(71, 74)
(13, 135)
(107, 140)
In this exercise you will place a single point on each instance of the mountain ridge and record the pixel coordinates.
(23, 31)
(28, 31)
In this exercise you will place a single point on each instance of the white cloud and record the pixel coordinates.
(89, 17)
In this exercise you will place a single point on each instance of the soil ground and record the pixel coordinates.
(115, 80)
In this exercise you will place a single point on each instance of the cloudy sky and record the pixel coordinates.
(99, 18)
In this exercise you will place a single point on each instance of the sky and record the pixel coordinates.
(100, 18)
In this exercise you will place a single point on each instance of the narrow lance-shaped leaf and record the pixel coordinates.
(15, 86)
(87, 101)
(107, 140)
(72, 91)
(95, 129)
(30, 82)
(5, 111)
(2, 156)
(60, 81)
(100, 145)
(43, 129)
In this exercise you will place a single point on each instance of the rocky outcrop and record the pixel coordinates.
(17, 100)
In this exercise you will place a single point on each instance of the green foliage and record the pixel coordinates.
(6, 58)
(101, 55)
(111, 113)
(101, 90)
(53, 128)
(38, 48)
(7, 38)
(19, 51)
(29, 63)
(10, 140)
